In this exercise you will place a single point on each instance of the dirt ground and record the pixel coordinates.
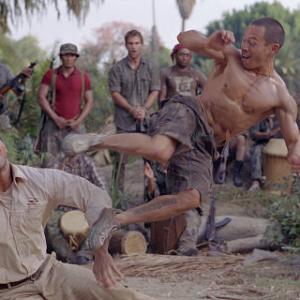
(233, 277)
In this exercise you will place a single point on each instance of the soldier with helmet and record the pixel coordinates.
(70, 102)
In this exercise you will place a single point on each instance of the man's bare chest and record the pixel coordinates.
(251, 93)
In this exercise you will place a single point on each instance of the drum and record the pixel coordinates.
(165, 235)
(276, 167)
(74, 227)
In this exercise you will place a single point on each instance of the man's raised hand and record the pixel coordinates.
(219, 39)
(105, 270)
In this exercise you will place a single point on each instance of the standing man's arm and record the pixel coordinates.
(114, 81)
(163, 86)
(151, 99)
(287, 114)
(140, 112)
(153, 93)
(46, 107)
(201, 79)
(122, 102)
(88, 105)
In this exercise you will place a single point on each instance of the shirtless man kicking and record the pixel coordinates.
(242, 89)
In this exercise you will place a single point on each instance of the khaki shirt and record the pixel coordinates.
(33, 195)
(134, 85)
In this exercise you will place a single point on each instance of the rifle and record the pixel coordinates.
(37, 148)
(17, 83)
(210, 230)
(221, 171)
(212, 226)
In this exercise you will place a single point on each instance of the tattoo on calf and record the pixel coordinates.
(154, 206)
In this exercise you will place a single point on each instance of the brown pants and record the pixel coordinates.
(60, 281)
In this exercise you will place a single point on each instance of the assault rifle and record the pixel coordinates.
(17, 83)
(210, 231)
(212, 226)
(220, 175)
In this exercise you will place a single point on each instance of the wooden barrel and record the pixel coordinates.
(276, 167)
(75, 228)
(127, 242)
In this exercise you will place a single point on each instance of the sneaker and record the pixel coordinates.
(255, 186)
(75, 143)
(102, 229)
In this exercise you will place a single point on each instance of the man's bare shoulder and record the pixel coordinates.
(279, 81)
(285, 99)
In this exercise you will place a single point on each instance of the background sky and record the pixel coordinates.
(48, 29)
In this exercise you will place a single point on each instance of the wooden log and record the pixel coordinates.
(243, 234)
(127, 242)
(55, 239)
(246, 244)
(238, 228)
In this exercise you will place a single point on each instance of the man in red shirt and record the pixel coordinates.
(70, 102)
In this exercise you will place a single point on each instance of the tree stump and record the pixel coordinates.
(127, 242)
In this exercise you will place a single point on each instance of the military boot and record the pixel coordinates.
(189, 238)
(237, 169)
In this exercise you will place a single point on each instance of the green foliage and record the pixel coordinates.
(18, 54)
(103, 105)
(16, 10)
(20, 150)
(283, 210)
(19, 139)
(286, 210)
(10, 137)
(163, 56)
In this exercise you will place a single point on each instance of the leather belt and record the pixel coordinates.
(33, 277)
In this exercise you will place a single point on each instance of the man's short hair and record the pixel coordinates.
(274, 30)
(133, 33)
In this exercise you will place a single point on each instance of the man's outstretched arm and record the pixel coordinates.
(217, 46)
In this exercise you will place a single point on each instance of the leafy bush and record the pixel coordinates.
(286, 210)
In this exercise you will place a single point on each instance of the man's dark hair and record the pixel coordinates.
(274, 30)
(133, 33)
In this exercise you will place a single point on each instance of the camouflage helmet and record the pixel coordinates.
(68, 48)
